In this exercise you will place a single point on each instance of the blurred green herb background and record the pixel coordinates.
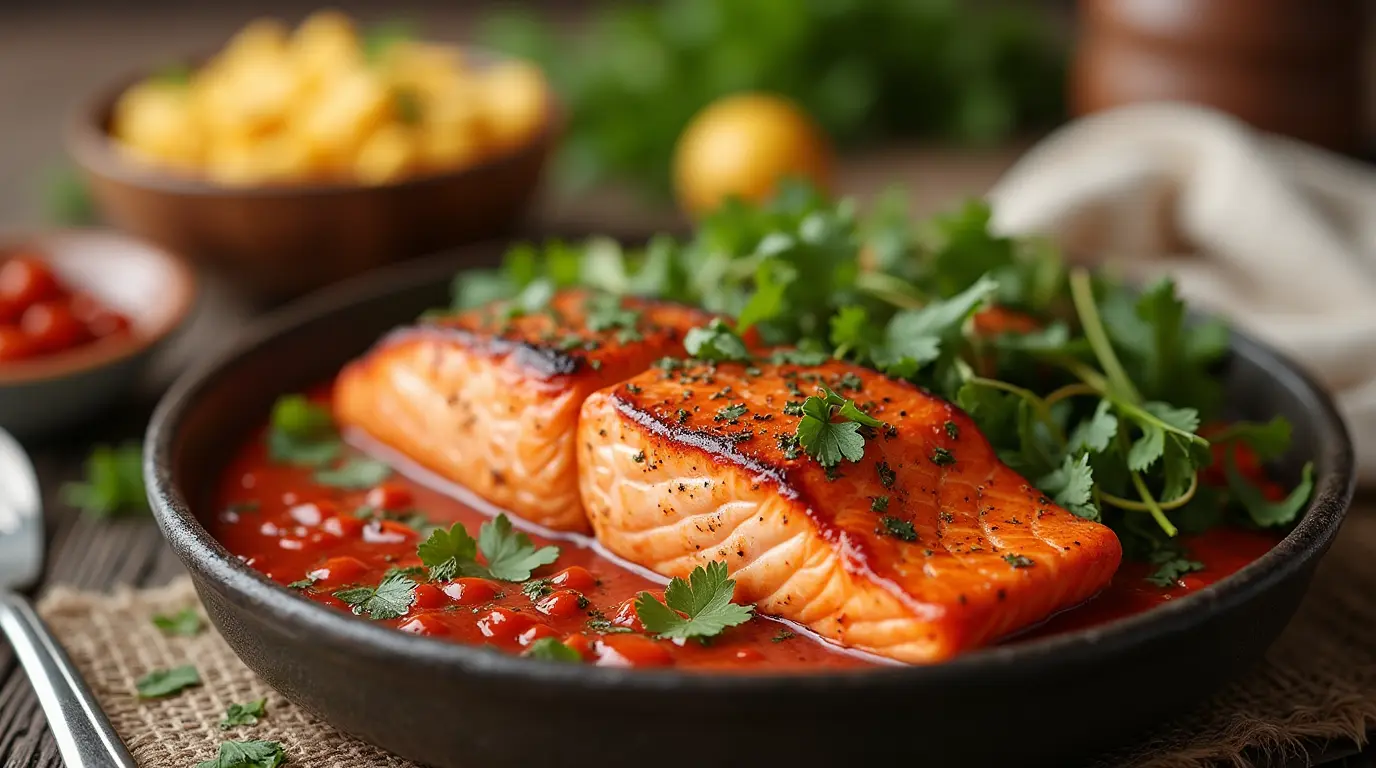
(964, 72)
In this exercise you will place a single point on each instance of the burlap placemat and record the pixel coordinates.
(1318, 681)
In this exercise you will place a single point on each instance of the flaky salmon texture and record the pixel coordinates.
(926, 547)
(489, 398)
(582, 416)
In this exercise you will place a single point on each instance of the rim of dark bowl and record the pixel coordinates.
(88, 139)
(1333, 490)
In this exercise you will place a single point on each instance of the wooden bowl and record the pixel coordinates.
(150, 286)
(282, 240)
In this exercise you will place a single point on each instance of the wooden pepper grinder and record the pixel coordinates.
(1293, 67)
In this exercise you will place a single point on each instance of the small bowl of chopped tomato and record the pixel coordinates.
(81, 314)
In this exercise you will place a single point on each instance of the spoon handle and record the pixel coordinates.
(84, 735)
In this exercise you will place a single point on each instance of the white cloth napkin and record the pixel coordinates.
(1277, 235)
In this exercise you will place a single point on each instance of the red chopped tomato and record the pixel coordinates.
(561, 604)
(339, 571)
(389, 497)
(574, 577)
(424, 624)
(503, 625)
(626, 616)
(430, 596)
(15, 344)
(52, 326)
(471, 591)
(536, 632)
(631, 651)
(26, 280)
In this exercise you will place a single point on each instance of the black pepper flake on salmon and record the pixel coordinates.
(639, 457)
(879, 503)
(953, 430)
(681, 415)
(942, 457)
(897, 528)
(633, 389)
(1019, 561)
(793, 408)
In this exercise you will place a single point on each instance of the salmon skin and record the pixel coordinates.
(926, 547)
(490, 399)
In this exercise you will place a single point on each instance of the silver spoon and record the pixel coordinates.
(83, 733)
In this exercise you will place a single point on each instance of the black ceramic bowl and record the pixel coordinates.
(1051, 701)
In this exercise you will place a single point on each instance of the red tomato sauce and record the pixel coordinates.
(279, 521)
(40, 316)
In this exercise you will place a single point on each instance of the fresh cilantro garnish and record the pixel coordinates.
(783, 635)
(897, 527)
(942, 457)
(716, 342)
(390, 599)
(355, 474)
(549, 649)
(605, 312)
(247, 754)
(829, 441)
(185, 623)
(302, 433)
(1094, 390)
(510, 555)
(305, 583)
(113, 485)
(449, 553)
(879, 503)
(731, 413)
(244, 714)
(536, 588)
(700, 607)
(1071, 485)
(165, 682)
(1267, 440)
(1263, 511)
(1171, 564)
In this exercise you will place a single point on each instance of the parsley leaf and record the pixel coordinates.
(247, 754)
(549, 649)
(113, 485)
(704, 601)
(1072, 485)
(510, 554)
(1267, 440)
(917, 335)
(897, 527)
(828, 441)
(449, 553)
(185, 623)
(244, 714)
(716, 342)
(390, 599)
(165, 682)
(302, 433)
(355, 474)
(1263, 511)
(1171, 564)
(1095, 433)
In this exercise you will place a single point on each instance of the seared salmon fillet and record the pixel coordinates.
(926, 547)
(490, 400)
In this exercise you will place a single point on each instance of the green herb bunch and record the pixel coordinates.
(638, 72)
(1101, 400)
